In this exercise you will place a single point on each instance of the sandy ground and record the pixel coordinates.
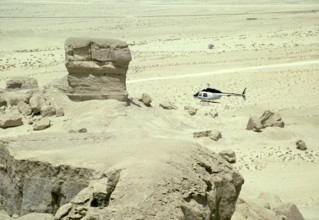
(270, 48)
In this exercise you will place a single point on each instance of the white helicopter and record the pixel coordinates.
(211, 94)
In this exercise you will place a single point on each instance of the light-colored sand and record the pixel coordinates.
(270, 48)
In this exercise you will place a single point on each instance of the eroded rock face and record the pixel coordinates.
(146, 178)
(97, 68)
(37, 186)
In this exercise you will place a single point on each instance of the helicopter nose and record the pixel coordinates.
(195, 95)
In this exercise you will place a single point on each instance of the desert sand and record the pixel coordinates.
(269, 47)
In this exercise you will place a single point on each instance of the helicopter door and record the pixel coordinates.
(205, 95)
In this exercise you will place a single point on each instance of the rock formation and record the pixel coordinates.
(212, 134)
(97, 68)
(268, 119)
(101, 176)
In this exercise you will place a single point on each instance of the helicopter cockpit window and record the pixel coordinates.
(205, 94)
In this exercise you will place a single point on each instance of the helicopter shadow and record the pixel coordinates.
(206, 103)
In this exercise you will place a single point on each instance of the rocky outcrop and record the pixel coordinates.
(37, 186)
(159, 179)
(97, 68)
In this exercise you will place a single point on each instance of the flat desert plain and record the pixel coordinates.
(269, 47)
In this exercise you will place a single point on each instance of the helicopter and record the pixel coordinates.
(211, 94)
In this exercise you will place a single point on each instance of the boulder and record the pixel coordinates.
(268, 119)
(254, 124)
(47, 111)
(228, 155)
(271, 119)
(97, 68)
(191, 110)
(290, 211)
(21, 83)
(168, 105)
(301, 145)
(146, 99)
(10, 120)
(36, 102)
(42, 124)
(24, 108)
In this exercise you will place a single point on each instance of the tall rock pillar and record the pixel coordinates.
(97, 68)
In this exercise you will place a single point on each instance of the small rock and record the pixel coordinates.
(83, 130)
(167, 106)
(215, 135)
(42, 124)
(15, 216)
(146, 99)
(228, 155)
(191, 110)
(213, 113)
(200, 134)
(301, 145)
